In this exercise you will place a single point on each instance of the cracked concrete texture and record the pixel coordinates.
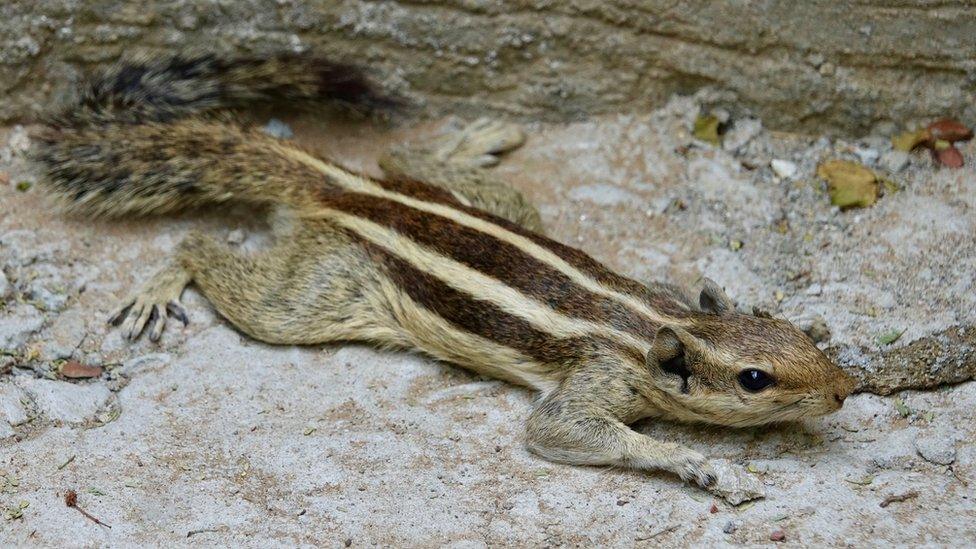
(849, 67)
(210, 437)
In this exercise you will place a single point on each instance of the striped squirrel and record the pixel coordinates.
(436, 257)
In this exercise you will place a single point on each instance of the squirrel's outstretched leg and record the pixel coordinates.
(276, 296)
(458, 162)
(576, 424)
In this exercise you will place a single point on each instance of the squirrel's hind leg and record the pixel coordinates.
(458, 161)
(316, 286)
(313, 285)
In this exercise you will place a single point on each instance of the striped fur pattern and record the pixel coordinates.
(439, 258)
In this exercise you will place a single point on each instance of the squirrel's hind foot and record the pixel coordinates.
(150, 306)
(479, 144)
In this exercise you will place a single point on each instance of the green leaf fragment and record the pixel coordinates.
(890, 337)
(902, 408)
(706, 129)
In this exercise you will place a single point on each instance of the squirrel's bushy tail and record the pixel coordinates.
(134, 141)
(144, 90)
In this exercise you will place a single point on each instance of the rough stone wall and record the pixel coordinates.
(851, 67)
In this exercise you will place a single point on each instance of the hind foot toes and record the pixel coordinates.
(148, 310)
(479, 144)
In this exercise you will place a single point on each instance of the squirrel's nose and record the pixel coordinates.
(839, 397)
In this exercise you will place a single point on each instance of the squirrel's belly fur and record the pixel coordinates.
(437, 257)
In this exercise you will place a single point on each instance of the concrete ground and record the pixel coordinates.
(212, 438)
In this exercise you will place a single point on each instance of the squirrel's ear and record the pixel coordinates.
(667, 356)
(667, 345)
(713, 298)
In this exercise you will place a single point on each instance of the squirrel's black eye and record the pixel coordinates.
(754, 380)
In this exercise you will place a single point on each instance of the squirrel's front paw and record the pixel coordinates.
(693, 467)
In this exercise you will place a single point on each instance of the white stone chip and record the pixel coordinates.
(735, 485)
(784, 169)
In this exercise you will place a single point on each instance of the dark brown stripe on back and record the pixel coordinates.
(498, 259)
(420, 191)
(486, 319)
(579, 259)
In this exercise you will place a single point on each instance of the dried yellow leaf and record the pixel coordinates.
(849, 184)
(907, 141)
(706, 129)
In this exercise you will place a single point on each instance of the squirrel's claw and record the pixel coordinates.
(693, 467)
(147, 311)
(120, 315)
(157, 321)
(176, 309)
(143, 315)
(135, 323)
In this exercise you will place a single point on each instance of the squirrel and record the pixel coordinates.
(438, 256)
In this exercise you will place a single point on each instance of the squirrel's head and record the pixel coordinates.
(737, 369)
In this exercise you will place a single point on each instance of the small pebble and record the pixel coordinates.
(777, 535)
(784, 169)
(867, 155)
(894, 161)
(236, 237)
(730, 527)
(18, 141)
(713, 509)
(278, 129)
